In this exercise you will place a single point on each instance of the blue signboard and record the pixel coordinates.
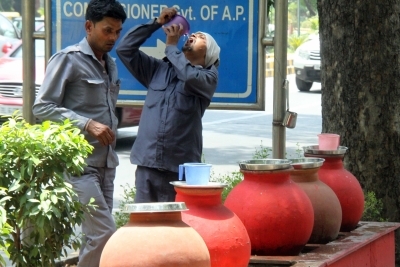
(233, 24)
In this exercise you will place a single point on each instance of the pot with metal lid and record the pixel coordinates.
(276, 212)
(155, 236)
(343, 183)
(326, 205)
(223, 232)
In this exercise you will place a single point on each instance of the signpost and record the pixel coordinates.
(235, 25)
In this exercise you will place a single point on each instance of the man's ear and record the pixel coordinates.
(88, 26)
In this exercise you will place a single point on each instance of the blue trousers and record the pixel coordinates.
(99, 225)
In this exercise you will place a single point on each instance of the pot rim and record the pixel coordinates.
(155, 207)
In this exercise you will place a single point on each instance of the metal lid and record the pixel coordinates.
(209, 185)
(155, 207)
(264, 164)
(315, 150)
(307, 163)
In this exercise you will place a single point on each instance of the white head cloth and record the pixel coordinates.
(212, 53)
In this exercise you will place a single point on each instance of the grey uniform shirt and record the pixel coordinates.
(77, 86)
(170, 128)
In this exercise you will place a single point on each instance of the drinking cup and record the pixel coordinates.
(178, 19)
(328, 141)
(195, 173)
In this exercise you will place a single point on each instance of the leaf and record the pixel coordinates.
(54, 199)
(34, 251)
(15, 174)
(4, 199)
(14, 186)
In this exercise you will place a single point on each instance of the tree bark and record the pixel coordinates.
(360, 72)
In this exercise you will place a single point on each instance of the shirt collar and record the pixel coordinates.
(86, 49)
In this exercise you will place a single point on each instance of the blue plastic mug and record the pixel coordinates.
(195, 173)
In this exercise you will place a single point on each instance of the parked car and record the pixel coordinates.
(11, 76)
(9, 33)
(11, 67)
(307, 64)
(18, 22)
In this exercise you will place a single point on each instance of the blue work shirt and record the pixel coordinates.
(170, 128)
(77, 86)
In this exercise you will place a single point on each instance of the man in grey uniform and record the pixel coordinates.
(81, 84)
(180, 88)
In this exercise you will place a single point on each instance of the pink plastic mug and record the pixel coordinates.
(328, 141)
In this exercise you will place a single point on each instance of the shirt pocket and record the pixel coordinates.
(155, 93)
(93, 90)
(184, 102)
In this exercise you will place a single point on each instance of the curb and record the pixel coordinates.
(270, 72)
(269, 65)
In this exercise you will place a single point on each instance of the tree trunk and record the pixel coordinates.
(310, 8)
(360, 72)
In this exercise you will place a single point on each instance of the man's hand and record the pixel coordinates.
(173, 33)
(101, 132)
(166, 15)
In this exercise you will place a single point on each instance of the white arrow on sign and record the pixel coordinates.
(157, 52)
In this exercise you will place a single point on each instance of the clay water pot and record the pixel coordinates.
(155, 236)
(343, 183)
(223, 232)
(276, 212)
(326, 205)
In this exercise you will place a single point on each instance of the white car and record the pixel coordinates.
(307, 64)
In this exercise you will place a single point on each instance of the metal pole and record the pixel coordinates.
(28, 57)
(261, 54)
(280, 65)
(298, 17)
(48, 29)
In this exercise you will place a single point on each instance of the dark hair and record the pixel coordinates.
(98, 9)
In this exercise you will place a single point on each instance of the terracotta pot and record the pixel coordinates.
(155, 236)
(326, 205)
(344, 184)
(223, 232)
(276, 212)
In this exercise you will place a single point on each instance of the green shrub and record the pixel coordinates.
(263, 153)
(373, 208)
(295, 41)
(38, 208)
(230, 180)
(314, 23)
(120, 217)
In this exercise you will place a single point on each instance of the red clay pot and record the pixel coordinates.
(223, 232)
(326, 205)
(346, 187)
(276, 212)
(155, 238)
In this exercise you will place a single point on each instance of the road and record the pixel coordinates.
(231, 136)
